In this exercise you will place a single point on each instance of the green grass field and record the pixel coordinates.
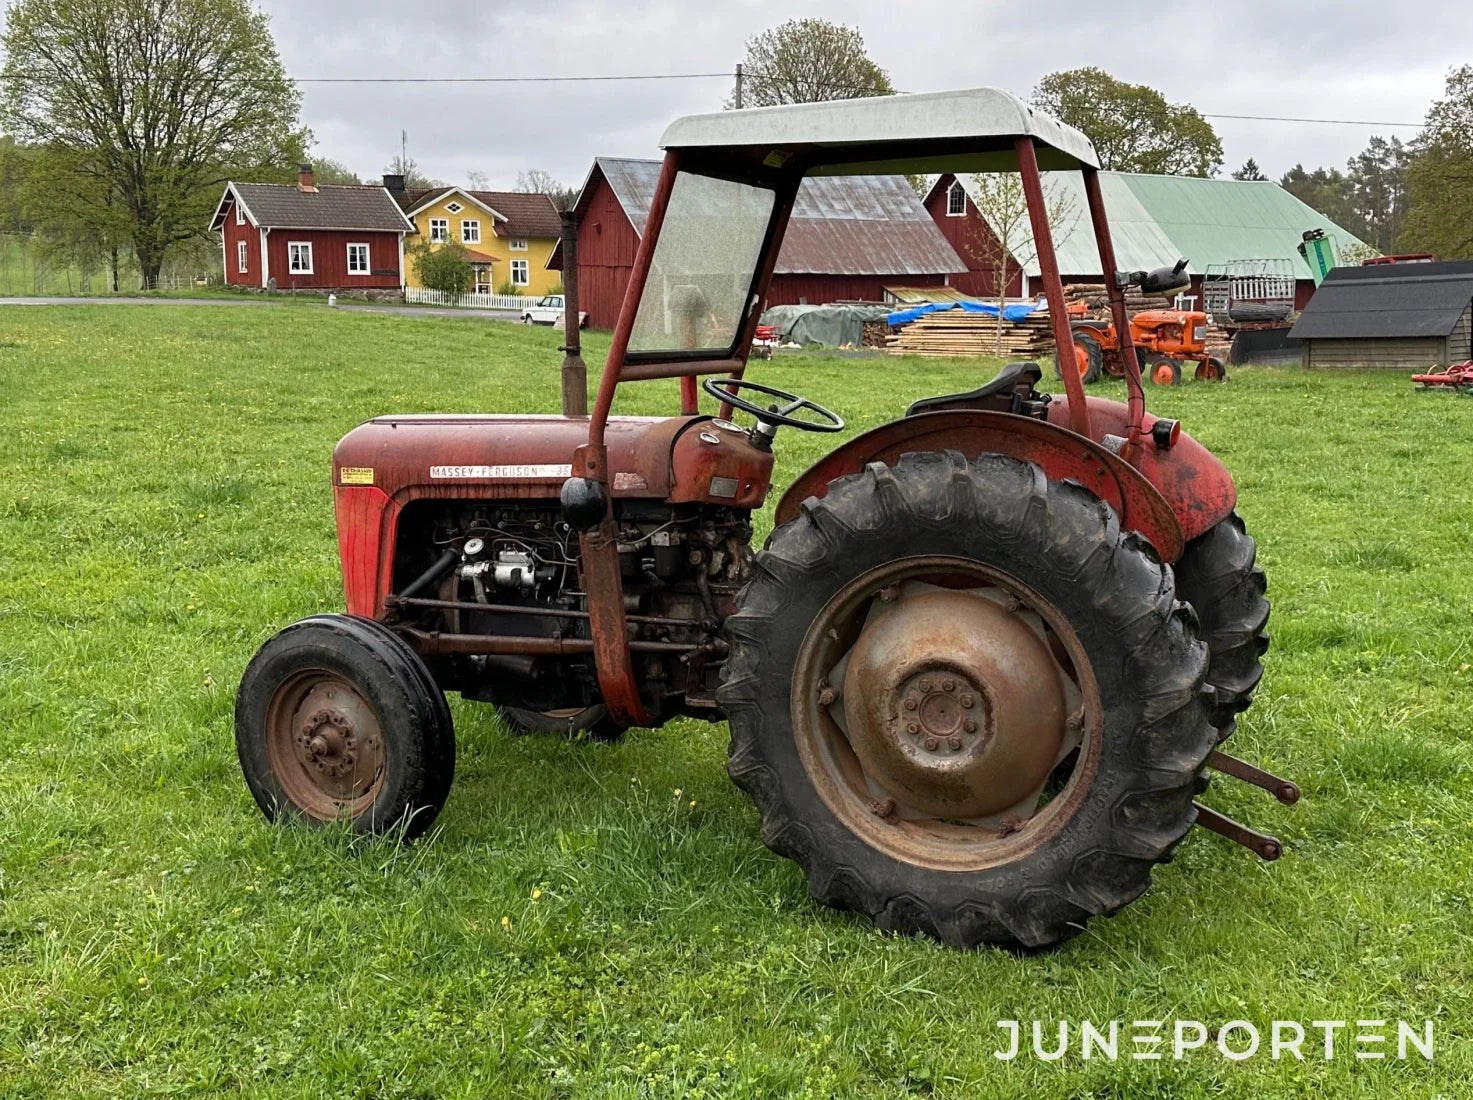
(602, 920)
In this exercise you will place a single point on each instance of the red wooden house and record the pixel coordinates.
(333, 237)
(850, 238)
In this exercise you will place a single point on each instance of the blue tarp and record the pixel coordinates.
(1009, 313)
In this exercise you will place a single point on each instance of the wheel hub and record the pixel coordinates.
(327, 742)
(953, 703)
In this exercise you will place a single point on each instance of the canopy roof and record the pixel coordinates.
(1388, 301)
(971, 130)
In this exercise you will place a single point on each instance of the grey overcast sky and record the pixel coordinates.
(1351, 60)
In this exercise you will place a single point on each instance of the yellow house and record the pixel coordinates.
(509, 234)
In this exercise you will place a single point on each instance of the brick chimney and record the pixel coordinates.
(394, 184)
(304, 179)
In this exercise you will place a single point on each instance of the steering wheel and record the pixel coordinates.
(725, 389)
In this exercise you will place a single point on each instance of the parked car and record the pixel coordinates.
(548, 310)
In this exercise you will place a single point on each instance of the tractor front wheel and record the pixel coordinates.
(1162, 370)
(337, 718)
(966, 702)
(1211, 369)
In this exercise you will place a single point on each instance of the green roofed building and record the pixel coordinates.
(1154, 220)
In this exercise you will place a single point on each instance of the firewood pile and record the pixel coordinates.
(878, 333)
(1097, 300)
(955, 332)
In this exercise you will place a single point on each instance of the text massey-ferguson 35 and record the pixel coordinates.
(975, 678)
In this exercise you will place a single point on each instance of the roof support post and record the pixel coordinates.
(575, 371)
(1095, 199)
(1053, 286)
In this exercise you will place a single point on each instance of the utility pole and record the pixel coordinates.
(404, 152)
(575, 372)
(737, 99)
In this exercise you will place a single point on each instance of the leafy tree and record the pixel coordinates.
(332, 171)
(1249, 171)
(156, 102)
(1133, 127)
(1439, 177)
(1327, 190)
(808, 60)
(1009, 246)
(1378, 190)
(445, 267)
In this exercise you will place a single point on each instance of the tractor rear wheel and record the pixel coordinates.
(1088, 357)
(338, 718)
(1218, 575)
(966, 702)
(1161, 370)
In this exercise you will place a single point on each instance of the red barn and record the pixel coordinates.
(333, 237)
(850, 237)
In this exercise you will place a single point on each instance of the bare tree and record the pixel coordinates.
(478, 180)
(408, 167)
(538, 182)
(158, 101)
(808, 60)
(1005, 242)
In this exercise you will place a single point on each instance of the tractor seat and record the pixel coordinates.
(1007, 380)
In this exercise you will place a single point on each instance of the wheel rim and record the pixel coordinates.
(325, 745)
(1081, 359)
(1163, 374)
(937, 705)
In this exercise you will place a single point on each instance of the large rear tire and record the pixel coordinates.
(938, 529)
(1088, 356)
(1219, 576)
(338, 718)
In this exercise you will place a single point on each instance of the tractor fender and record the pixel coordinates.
(1193, 480)
(1059, 452)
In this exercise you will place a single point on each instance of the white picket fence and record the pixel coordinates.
(419, 296)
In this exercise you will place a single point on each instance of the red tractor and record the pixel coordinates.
(975, 677)
(1165, 339)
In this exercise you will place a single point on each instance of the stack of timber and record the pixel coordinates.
(957, 333)
(877, 333)
(1097, 300)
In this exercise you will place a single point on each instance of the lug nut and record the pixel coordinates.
(925, 685)
(826, 697)
(913, 728)
(932, 744)
(911, 704)
(969, 726)
(948, 685)
(955, 743)
(889, 593)
(968, 701)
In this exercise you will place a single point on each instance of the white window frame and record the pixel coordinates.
(454, 207)
(956, 189)
(517, 244)
(367, 258)
(526, 268)
(292, 255)
(242, 258)
(484, 277)
(439, 230)
(470, 230)
(239, 213)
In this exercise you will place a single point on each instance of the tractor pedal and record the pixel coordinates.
(1267, 848)
(1285, 791)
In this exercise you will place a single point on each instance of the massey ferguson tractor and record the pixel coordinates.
(974, 679)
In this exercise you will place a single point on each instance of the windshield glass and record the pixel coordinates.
(703, 265)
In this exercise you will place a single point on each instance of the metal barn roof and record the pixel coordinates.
(1154, 220)
(841, 225)
(1390, 300)
(850, 129)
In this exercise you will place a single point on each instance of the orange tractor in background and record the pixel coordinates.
(1165, 339)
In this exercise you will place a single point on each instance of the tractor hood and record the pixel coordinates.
(529, 457)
